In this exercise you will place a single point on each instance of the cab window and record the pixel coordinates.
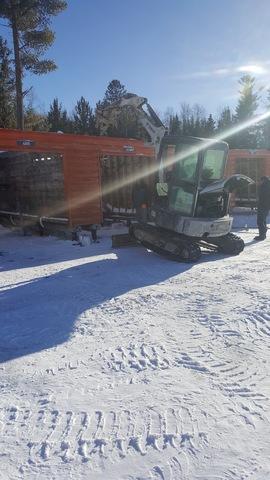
(213, 165)
(186, 164)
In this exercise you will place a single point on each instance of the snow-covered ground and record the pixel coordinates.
(122, 365)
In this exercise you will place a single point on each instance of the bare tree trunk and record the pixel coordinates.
(18, 72)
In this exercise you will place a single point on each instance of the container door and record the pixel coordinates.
(118, 176)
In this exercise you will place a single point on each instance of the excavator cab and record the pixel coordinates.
(193, 196)
(191, 165)
(192, 170)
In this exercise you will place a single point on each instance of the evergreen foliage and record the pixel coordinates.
(29, 21)
(114, 92)
(34, 120)
(7, 87)
(210, 126)
(58, 119)
(83, 118)
(246, 108)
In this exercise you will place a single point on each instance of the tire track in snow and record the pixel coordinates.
(41, 430)
(258, 321)
(98, 437)
(235, 377)
(138, 358)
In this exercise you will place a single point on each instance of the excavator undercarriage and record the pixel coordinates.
(176, 246)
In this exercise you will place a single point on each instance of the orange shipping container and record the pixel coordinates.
(62, 175)
(253, 163)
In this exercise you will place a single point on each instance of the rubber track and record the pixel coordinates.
(194, 252)
(230, 244)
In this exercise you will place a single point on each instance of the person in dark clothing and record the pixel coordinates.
(263, 207)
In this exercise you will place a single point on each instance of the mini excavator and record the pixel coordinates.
(189, 209)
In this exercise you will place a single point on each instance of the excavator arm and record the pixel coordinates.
(108, 116)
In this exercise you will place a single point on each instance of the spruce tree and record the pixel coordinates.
(225, 120)
(66, 123)
(210, 126)
(58, 119)
(245, 110)
(29, 21)
(83, 118)
(248, 101)
(7, 88)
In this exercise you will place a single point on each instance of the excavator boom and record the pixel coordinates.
(108, 117)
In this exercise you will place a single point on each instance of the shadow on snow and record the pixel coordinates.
(41, 313)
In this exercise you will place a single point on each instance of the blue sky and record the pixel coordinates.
(170, 51)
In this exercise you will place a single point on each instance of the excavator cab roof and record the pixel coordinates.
(189, 140)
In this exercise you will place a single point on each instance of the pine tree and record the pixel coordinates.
(209, 126)
(225, 120)
(55, 116)
(83, 118)
(66, 123)
(127, 122)
(246, 109)
(29, 21)
(248, 101)
(114, 92)
(7, 88)
(58, 119)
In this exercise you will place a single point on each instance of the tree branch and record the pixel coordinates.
(27, 91)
